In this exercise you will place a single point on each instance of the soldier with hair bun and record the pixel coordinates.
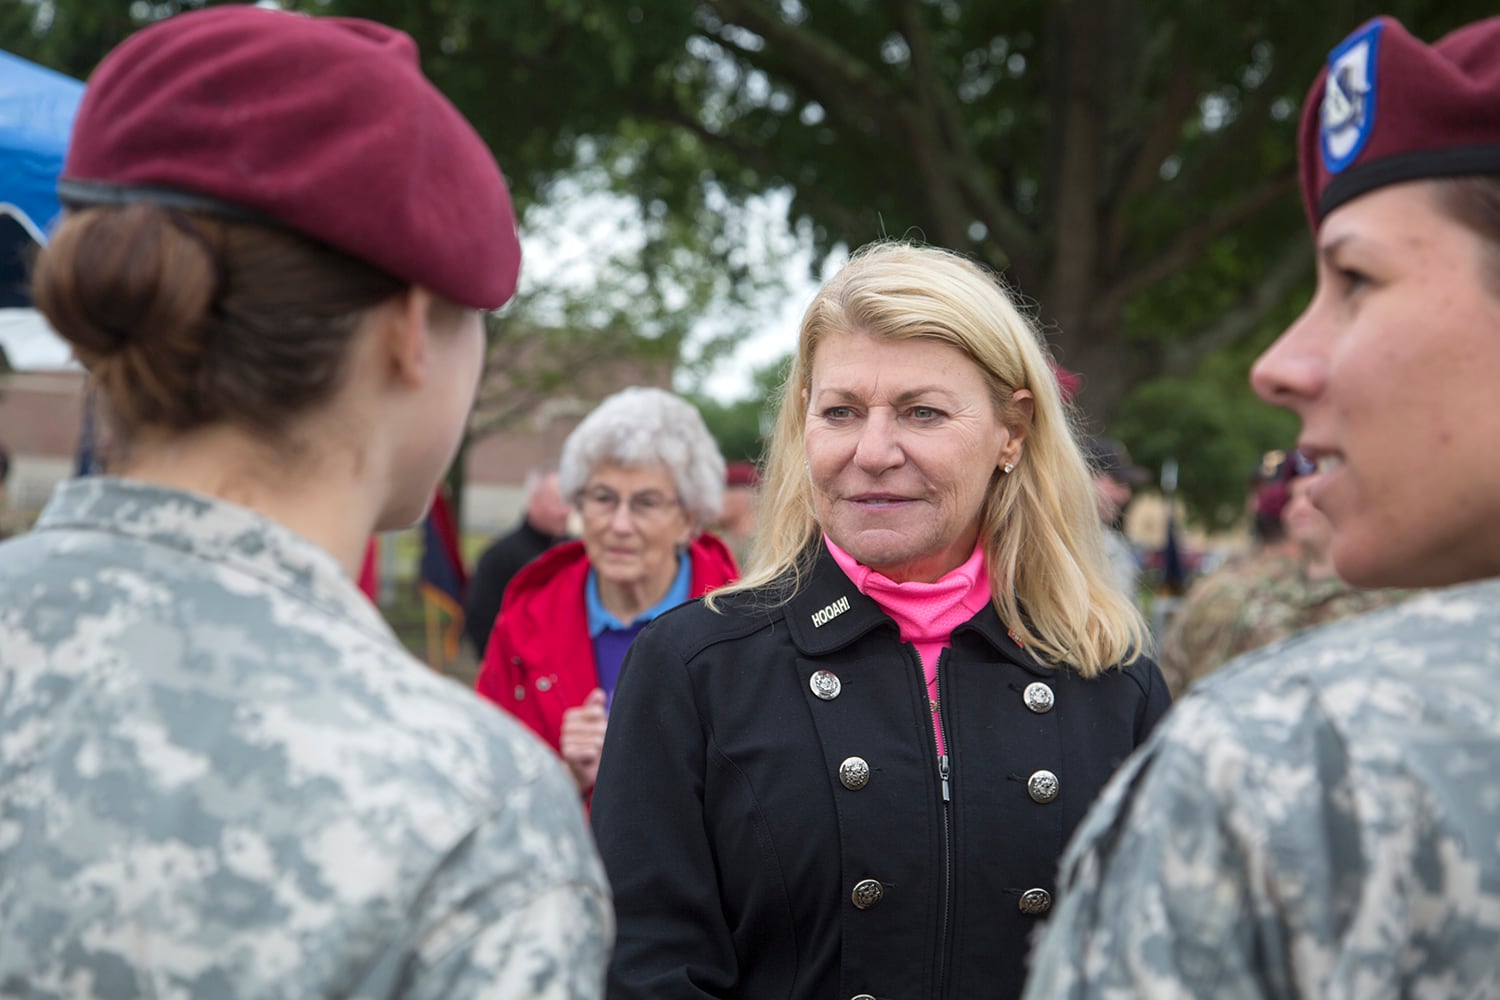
(1322, 817)
(221, 775)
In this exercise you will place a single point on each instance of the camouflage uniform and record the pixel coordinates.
(1320, 819)
(1252, 604)
(221, 776)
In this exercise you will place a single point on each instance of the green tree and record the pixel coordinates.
(742, 426)
(1129, 164)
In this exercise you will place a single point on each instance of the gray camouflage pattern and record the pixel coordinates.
(1319, 819)
(221, 776)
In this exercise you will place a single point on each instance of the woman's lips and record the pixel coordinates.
(879, 501)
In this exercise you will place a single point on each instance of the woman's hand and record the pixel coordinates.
(582, 739)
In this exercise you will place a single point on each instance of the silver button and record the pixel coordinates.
(854, 773)
(1034, 901)
(862, 996)
(867, 893)
(1038, 697)
(1042, 786)
(825, 684)
(520, 692)
(544, 684)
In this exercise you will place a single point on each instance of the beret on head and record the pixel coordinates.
(323, 125)
(1388, 108)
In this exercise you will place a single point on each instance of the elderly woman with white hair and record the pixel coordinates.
(646, 478)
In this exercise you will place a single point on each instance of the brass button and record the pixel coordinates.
(1038, 697)
(1042, 786)
(867, 893)
(1035, 901)
(825, 684)
(854, 773)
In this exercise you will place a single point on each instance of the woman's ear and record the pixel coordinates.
(1021, 411)
(404, 332)
(1024, 404)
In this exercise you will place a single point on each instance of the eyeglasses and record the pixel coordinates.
(601, 503)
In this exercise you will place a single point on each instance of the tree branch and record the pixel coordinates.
(1144, 167)
(1290, 266)
(1191, 241)
(822, 69)
(755, 156)
(932, 142)
(936, 105)
(1251, 121)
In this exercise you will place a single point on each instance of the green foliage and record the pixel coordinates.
(1215, 428)
(742, 426)
(1129, 164)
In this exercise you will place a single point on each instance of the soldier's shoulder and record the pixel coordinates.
(1343, 670)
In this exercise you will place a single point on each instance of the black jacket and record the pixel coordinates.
(737, 836)
(497, 566)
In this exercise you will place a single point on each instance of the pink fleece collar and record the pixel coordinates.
(925, 612)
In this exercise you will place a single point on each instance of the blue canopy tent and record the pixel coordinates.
(37, 107)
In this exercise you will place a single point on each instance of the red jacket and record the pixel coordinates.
(540, 660)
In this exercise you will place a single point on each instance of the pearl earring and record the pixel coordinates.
(1008, 467)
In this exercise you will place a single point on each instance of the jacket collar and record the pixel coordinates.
(829, 613)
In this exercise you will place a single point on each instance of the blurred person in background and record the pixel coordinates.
(852, 774)
(222, 774)
(544, 523)
(1115, 478)
(646, 478)
(1289, 586)
(741, 501)
(1321, 818)
(1269, 491)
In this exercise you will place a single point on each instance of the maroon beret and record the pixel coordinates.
(1388, 108)
(741, 474)
(324, 125)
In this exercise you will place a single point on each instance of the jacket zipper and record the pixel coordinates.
(946, 794)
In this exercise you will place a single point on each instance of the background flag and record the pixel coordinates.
(442, 582)
(369, 571)
(86, 454)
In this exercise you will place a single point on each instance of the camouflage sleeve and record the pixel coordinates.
(1164, 890)
(553, 946)
(519, 908)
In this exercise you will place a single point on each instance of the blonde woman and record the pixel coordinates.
(852, 773)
